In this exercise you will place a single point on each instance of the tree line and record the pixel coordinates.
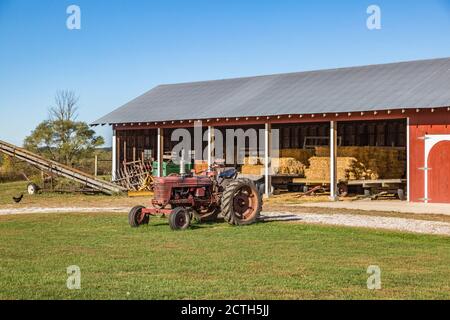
(61, 137)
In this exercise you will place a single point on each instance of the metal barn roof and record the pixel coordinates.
(403, 85)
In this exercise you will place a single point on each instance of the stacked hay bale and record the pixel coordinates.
(252, 169)
(284, 165)
(372, 162)
(301, 155)
(288, 166)
(252, 165)
(252, 160)
(323, 151)
(347, 168)
(353, 163)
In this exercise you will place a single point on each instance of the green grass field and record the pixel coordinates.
(54, 199)
(213, 261)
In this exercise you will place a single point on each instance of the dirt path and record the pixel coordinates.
(338, 219)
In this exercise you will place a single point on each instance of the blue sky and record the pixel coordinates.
(126, 47)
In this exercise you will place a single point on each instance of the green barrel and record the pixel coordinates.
(170, 167)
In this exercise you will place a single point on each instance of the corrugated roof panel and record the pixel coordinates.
(414, 84)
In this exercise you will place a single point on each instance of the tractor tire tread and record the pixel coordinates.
(132, 217)
(227, 202)
(172, 219)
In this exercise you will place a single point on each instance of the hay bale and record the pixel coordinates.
(371, 162)
(288, 166)
(252, 169)
(319, 169)
(379, 162)
(322, 151)
(252, 160)
(301, 155)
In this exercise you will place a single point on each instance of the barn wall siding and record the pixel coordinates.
(420, 124)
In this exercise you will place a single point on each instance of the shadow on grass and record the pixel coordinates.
(161, 222)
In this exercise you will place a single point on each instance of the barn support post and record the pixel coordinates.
(267, 149)
(125, 150)
(160, 151)
(211, 146)
(114, 155)
(96, 165)
(333, 160)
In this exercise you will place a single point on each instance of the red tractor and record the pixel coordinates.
(185, 197)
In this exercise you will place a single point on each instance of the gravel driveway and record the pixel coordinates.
(349, 220)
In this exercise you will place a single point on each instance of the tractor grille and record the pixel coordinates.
(162, 192)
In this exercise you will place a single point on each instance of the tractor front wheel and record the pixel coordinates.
(241, 202)
(179, 219)
(135, 217)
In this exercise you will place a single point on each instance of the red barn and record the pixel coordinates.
(403, 106)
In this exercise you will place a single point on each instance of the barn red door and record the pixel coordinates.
(439, 175)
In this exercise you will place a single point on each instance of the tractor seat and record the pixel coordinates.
(230, 173)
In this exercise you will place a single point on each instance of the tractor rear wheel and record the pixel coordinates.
(241, 202)
(135, 218)
(179, 219)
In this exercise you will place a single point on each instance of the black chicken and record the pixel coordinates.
(18, 199)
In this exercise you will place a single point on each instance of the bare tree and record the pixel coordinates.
(65, 108)
(61, 137)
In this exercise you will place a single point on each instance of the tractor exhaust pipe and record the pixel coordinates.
(182, 166)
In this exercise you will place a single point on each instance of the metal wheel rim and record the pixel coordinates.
(180, 219)
(31, 189)
(245, 202)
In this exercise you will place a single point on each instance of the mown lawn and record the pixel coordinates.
(213, 261)
(55, 199)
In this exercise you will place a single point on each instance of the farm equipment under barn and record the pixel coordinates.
(135, 176)
(186, 197)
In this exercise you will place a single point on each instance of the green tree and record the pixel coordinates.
(62, 138)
